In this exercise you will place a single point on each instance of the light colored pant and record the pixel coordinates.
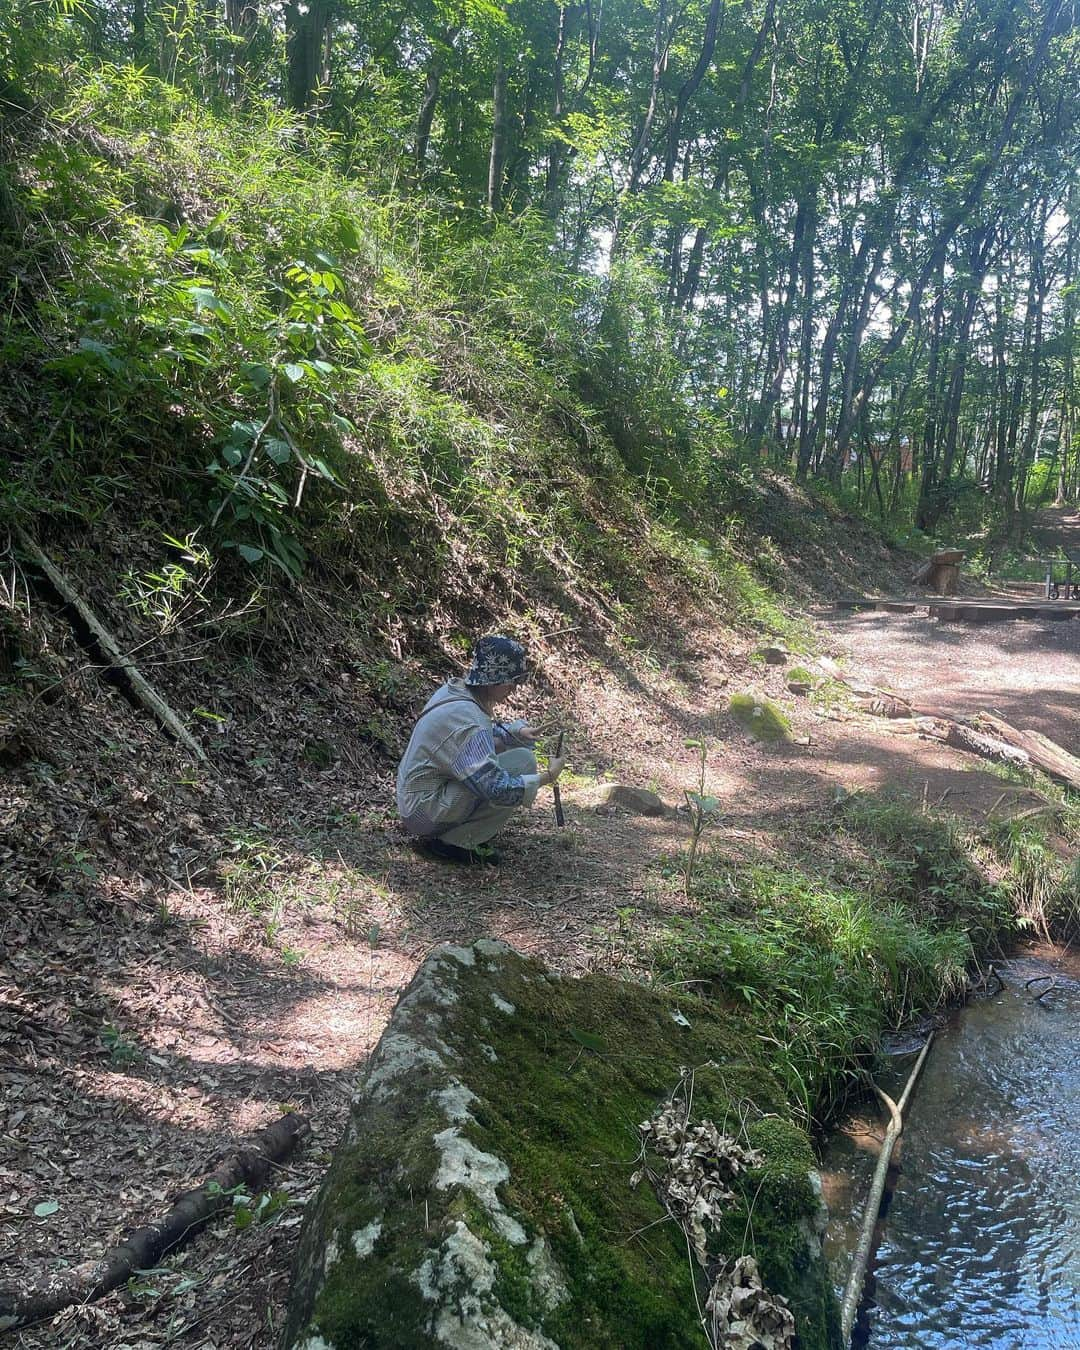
(488, 819)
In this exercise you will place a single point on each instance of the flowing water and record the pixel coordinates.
(980, 1243)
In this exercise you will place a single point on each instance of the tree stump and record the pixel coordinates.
(942, 573)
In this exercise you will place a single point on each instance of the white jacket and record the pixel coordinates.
(450, 767)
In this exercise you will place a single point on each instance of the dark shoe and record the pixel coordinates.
(484, 856)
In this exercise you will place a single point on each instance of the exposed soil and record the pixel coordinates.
(1028, 670)
(1058, 527)
(236, 945)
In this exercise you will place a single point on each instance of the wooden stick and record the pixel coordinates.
(560, 819)
(853, 1291)
(125, 667)
(144, 1248)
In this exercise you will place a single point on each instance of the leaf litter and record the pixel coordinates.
(694, 1183)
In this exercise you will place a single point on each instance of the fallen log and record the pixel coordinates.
(132, 676)
(1054, 760)
(145, 1247)
(961, 737)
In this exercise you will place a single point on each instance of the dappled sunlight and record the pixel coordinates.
(1029, 671)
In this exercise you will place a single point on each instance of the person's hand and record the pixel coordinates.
(554, 768)
(527, 735)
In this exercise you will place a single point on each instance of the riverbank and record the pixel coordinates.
(978, 1243)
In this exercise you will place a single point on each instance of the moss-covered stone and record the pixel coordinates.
(761, 718)
(481, 1195)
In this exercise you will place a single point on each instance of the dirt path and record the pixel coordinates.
(155, 1035)
(1029, 670)
(1057, 527)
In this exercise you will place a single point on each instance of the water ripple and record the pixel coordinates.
(982, 1242)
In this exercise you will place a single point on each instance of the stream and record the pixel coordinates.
(980, 1240)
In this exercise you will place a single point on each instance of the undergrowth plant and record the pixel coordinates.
(702, 809)
(1044, 881)
(298, 365)
(878, 924)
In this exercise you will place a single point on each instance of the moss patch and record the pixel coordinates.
(560, 1245)
(761, 718)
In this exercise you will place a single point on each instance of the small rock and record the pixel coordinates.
(801, 687)
(772, 656)
(636, 801)
(760, 718)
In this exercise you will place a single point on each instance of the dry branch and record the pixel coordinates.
(140, 687)
(145, 1247)
(1055, 761)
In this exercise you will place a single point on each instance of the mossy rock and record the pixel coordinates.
(481, 1195)
(761, 718)
(634, 800)
(800, 680)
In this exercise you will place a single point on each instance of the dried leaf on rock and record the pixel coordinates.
(744, 1315)
(701, 1164)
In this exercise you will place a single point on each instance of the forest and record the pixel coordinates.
(838, 240)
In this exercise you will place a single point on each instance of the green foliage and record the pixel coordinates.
(246, 1210)
(166, 596)
(829, 955)
(1044, 885)
(248, 876)
(302, 368)
(702, 808)
(122, 1052)
(694, 239)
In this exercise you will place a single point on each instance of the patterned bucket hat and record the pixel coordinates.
(497, 660)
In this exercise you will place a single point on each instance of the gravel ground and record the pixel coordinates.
(1028, 670)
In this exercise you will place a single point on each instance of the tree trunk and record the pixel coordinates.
(307, 46)
(242, 18)
(962, 211)
(690, 87)
(425, 118)
(497, 155)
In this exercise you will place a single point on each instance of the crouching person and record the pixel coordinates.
(464, 774)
